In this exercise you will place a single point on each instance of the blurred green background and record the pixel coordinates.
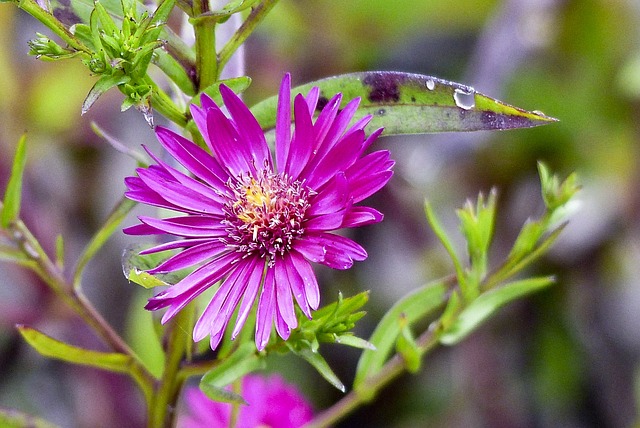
(565, 357)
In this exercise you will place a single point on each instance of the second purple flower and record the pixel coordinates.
(256, 224)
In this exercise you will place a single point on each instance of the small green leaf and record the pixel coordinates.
(416, 305)
(13, 194)
(222, 395)
(406, 103)
(407, 347)
(444, 239)
(52, 348)
(14, 419)
(487, 304)
(320, 364)
(353, 341)
(101, 86)
(134, 266)
(107, 23)
(243, 361)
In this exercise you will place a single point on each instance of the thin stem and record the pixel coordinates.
(206, 57)
(391, 370)
(256, 16)
(33, 9)
(178, 339)
(52, 275)
(165, 106)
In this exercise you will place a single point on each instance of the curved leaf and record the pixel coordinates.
(10, 209)
(487, 304)
(52, 348)
(414, 306)
(405, 103)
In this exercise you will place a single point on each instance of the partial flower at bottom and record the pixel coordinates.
(256, 224)
(271, 403)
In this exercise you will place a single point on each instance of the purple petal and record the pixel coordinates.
(179, 295)
(193, 157)
(342, 156)
(361, 216)
(283, 122)
(182, 243)
(334, 251)
(190, 257)
(248, 128)
(253, 284)
(333, 197)
(325, 119)
(312, 99)
(216, 315)
(233, 155)
(297, 284)
(308, 277)
(283, 295)
(325, 222)
(282, 328)
(187, 226)
(266, 310)
(302, 143)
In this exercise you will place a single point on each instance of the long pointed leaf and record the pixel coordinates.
(487, 304)
(414, 306)
(52, 348)
(13, 194)
(406, 103)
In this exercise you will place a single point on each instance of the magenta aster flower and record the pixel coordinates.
(254, 224)
(271, 403)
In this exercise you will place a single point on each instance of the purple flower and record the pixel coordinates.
(254, 224)
(271, 403)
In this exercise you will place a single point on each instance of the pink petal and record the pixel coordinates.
(297, 284)
(361, 216)
(283, 295)
(308, 277)
(333, 197)
(283, 122)
(190, 257)
(253, 284)
(233, 155)
(266, 310)
(248, 128)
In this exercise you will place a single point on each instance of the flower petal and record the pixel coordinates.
(266, 310)
(302, 143)
(224, 138)
(283, 122)
(308, 277)
(187, 226)
(331, 250)
(248, 128)
(342, 156)
(361, 216)
(333, 197)
(283, 295)
(253, 284)
(189, 257)
(297, 284)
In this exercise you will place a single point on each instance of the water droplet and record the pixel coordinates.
(538, 112)
(382, 112)
(431, 84)
(465, 98)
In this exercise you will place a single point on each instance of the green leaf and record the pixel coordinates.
(134, 266)
(320, 364)
(221, 15)
(406, 103)
(444, 239)
(418, 304)
(52, 348)
(243, 361)
(101, 86)
(407, 347)
(13, 194)
(10, 418)
(353, 341)
(487, 304)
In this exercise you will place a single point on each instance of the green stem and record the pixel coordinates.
(390, 371)
(162, 103)
(206, 56)
(178, 340)
(256, 16)
(33, 9)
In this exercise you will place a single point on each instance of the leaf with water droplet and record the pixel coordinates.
(406, 103)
